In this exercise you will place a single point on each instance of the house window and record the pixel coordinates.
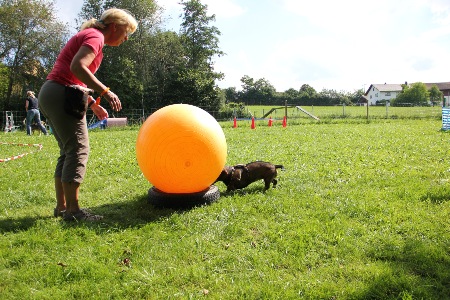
(388, 93)
(376, 95)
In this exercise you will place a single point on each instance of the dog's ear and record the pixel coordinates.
(225, 175)
(228, 170)
(237, 174)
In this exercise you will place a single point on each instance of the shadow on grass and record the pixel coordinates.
(140, 211)
(120, 215)
(18, 224)
(133, 213)
(437, 196)
(417, 270)
(245, 191)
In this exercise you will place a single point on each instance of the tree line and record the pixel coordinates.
(261, 92)
(154, 68)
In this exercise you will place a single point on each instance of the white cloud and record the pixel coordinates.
(223, 8)
(440, 10)
(351, 45)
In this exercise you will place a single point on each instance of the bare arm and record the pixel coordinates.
(79, 67)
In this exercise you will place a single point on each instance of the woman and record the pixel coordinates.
(75, 66)
(32, 109)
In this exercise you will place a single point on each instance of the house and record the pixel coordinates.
(378, 93)
(444, 87)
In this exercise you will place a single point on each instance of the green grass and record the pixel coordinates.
(361, 212)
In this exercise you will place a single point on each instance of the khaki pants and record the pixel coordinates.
(70, 133)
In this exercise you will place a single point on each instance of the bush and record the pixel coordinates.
(233, 109)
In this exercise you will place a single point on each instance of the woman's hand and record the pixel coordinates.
(99, 111)
(113, 100)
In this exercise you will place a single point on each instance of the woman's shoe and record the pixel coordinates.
(58, 213)
(81, 215)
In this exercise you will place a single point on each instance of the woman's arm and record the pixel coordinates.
(79, 67)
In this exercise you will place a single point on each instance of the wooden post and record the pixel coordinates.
(367, 110)
(387, 110)
(285, 108)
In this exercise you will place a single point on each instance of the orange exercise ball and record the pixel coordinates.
(181, 148)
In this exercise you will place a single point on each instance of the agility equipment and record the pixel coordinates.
(445, 118)
(116, 122)
(100, 124)
(9, 122)
(290, 106)
(109, 122)
(270, 122)
(186, 200)
(181, 149)
(253, 126)
(308, 113)
(38, 146)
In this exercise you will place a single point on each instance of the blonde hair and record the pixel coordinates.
(112, 15)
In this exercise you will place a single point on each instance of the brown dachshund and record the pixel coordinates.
(240, 176)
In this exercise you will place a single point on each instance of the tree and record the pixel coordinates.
(356, 96)
(90, 9)
(196, 83)
(436, 96)
(291, 94)
(231, 95)
(266, 91)
(3, 81)
(254, 92)
(30, 39)
(415, 95)
(165, 61)
(307, 95)
(329, 97)
(198, 37)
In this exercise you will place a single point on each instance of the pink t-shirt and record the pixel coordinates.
(91, 38)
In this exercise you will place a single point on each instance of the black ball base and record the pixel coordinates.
(182, 201)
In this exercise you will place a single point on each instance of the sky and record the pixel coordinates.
(342, 45)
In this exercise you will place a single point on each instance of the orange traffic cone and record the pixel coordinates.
(284, 122)
(234, 123)
(253, 123)
(270, 121)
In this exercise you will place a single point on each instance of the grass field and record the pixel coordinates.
(361, 212)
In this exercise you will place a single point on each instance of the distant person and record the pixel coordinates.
(65, 107)
(32, 109)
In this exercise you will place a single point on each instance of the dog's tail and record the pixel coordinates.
(280, 167)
